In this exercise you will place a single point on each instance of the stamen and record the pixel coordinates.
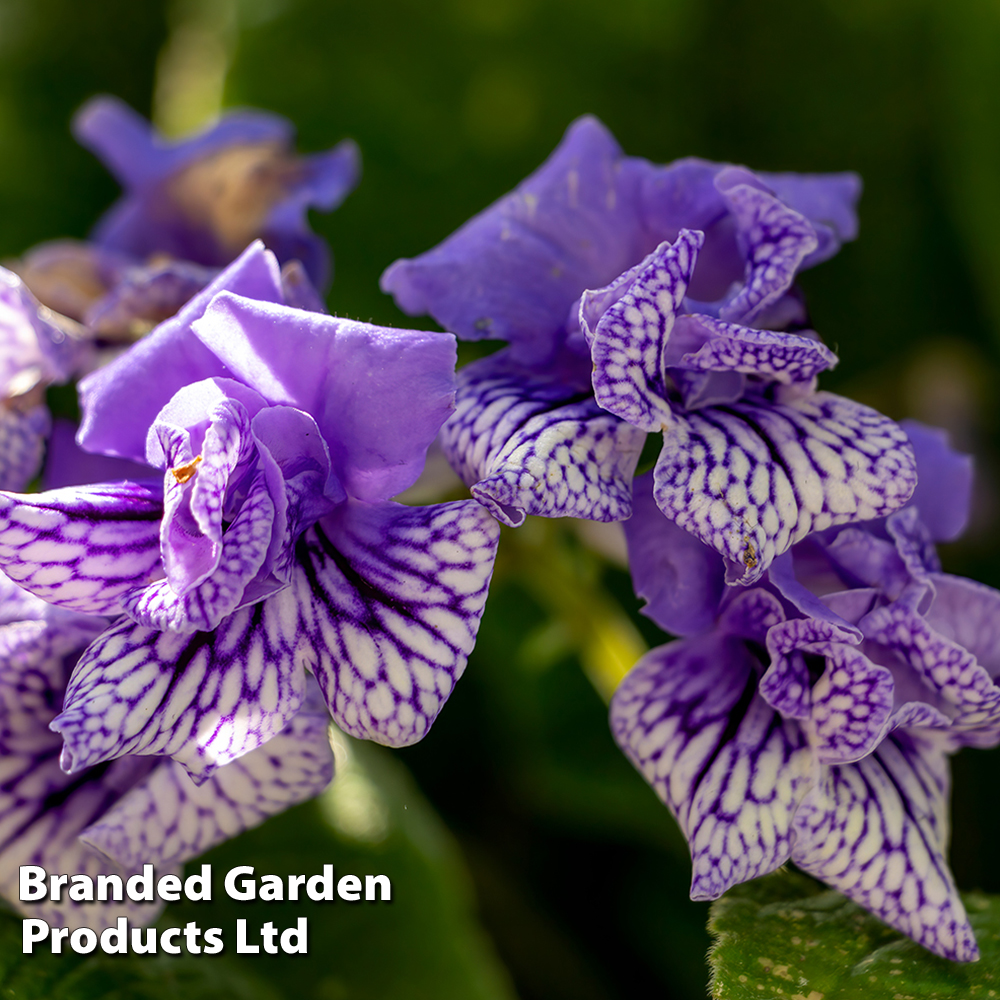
(182, 473)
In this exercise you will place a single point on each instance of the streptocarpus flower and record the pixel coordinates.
(639, 298)
(36, 349)
(271, 544)
(203, 199)
(810, 716)
(115, 817)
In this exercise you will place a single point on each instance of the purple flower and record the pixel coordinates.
(268, 543)
(118, 298)
(37, 349)
(809, 717)
(114, 818)
(203, 199)
(639, 298)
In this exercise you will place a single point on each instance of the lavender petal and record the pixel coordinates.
(22, 444)
(168, 819)
(391, 598)
(877, 829)
(82, 548)
(629, 339)
(204, 698)
(751, 479)
(781, 357)
(730, 769)
(776, 240)
(532, 445)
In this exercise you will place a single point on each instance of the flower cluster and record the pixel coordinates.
(221, 567)
(827, 666)
(223, 563)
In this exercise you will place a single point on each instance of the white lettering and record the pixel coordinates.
(249, 886)
(242, 948)
(31, 883)
(33, 930)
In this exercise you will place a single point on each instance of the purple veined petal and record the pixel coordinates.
(729, 768)
(527, 444)
(391, 598)
(245, 546)
(829, 202)
(681, 579)
(752, 478)
(512, 272)
(946, 668)
(781, 357)
(786, 684)
(944, 487)
(343, 373)
(42, 809)
(82, 548)
(205, 447)
(144, 379)
(876, 831)
(168, 819)
(968, 614)
(629, 340)
(776, 240)
(22, 444)
(913, 542)
(36, 644)
(851, 704)
(751, 614)
(204, 698)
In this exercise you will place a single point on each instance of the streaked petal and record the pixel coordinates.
(168, 819)
(391, 598)
(776, 240)
(534, 445)
(204, 698)
(729, 767)
(847, 710)
(244, 548)
(82, 548)
(22, 444)
(947, 669)
(42, 809)
(877, 830)
(628, 338)
(781, 357)
(752, 478)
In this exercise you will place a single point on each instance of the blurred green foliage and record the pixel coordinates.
(579, 875)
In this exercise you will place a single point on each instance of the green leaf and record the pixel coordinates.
(786, 936)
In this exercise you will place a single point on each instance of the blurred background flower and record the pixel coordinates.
(527, 857)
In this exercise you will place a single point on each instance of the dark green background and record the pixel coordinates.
(579, 875)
